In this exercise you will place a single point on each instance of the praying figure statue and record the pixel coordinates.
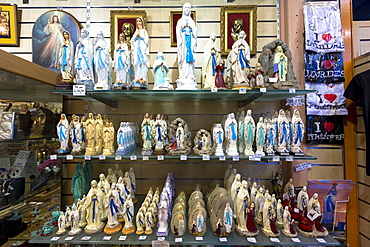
(102, 62)
(66, 58)
(210, 58)
(218, 139)
(160, 68)
(84, 60)
(250, 128)
(298, 132)
(283, 132)
(231, 134)
(260, 136)
(62, 131)
(122, 63)
(146, 133)
(94, 207)
(280, 69)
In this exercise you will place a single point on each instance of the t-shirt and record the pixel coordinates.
(358, 90)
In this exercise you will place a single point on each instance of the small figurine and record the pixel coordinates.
(279, 214)
(298, 133)
(47, 229)
(179, 136)
(78, 182)
(90, 128)
(102, 63)
(283, 133)
(104, 188)
(302, 200)
(160, 134)
(241, 203)
(260, 136)
(251, 226)
(112, 205)
(160, 68)
(280, 64)
(231, 134)
(111, 177)
(235, 187)
(258, 73)
(210, 57)
(128, 216)
(61, 224)
(218, 139)
(228, 219)
(122, 63)
(75, 133)
(66, 60)
(270, 137)
(219, 80)
(146, 130)
(62, 130)
(99, 134)
(94, 207)
(241, 132)
(288, 229)
(203, 143)
(84, 61)
(269, 219)
(75, 218)
(250, 129)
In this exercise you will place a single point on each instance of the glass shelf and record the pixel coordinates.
(21, 137)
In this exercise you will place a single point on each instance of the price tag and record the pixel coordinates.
(223, 239)
(178, 240)
(69, 157)
(133, 157)
(107, 238)
(312, 215)
(272, 79)
(254, 157)
(86, 238)
(183, 157)
(214, 89)
(79, 90)
(235, 158)
(53, 157)
(252, 240)
(54, 238)
(205, 157)
(263, 90)
(102, 157)
(160, 157)
(161, 238)
(276, 158)
(142, 237)
(289, 158)
(87, 157)
(222, 158)
(122, 238)
(291, 90)
(145, 157)
(68, 238)
(296, 210)
(321, 240)
(242, 91)
(296, 240)
(118, 157)
(275, 240)
(199, 238)
(303, 166)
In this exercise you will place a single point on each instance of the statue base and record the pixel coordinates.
(63, 150)
(313, 234)
(148, 232)
(146, 151)
(247, 233)
(92, 230)
(232, 152)
(163, 86)
(59, 232)
(82, 225)
(119, 86)
(109, 230)
(75, 232)
(99, 150)
(65, 85)
(270, 152)
(179, 151)
(162, 233)
(238, 86)
(107, 152)
(285, 85)
(89, 84)
(260, 153)
(121, 152)
(184, 83)
(270, 234)
(129, 230)
(297, 151)
(101, 86)
(139, 85)
(288, 234)
(202, 152)
(248, 152)
(76, 152)
(121, 219)
(139, 231)
(219, 152)
(90, 151)
(159, 152)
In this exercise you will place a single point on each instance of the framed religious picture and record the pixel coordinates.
(174, 17)
(124, 21)
(47, 37)
(235, 19)
(8, 25)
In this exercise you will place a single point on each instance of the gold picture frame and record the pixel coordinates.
(118, 18)
(174, 17)
(248, 15)
(8, 25)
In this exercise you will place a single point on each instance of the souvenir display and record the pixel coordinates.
(211, 56)
(218, 140)
(122, 63)
(61, 224)
(140, 51)
(238, 59)
(178, 220)
(94, 207)
(241, 132)
(160, 69)
(249, 132)
(324, 67)
(146, 134)
(75, 133)
(112, 205)
(84, 61)
(260, 136)
(66, 61)
(283, 133)
(203, 143)
(63, 134)
(231, 135)
(165, 205)
(7, 125)
(186, 33)
(198, 214)
(159, 133)
(127, 136)
(179, 138)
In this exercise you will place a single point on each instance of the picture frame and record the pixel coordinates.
(174, 17)
(9, 35)
(248, 15)
(120, 17)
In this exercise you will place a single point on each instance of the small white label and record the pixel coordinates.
(69, 157)
(235, 158)
(252, 240)
(102, 157)
(178, 240)
(68, 238)
(122, 238)
(214, 89)
(145, 157)
(263, 90)
(142, 237)
(296, 210)
(296, 240)
(160, 157)
(275, 240)
(118, 157)
(254, 157)
(321, 240)
(205, 157)
(53, 157)
(223, 239)
(242, 91)
(291, 90)
(86, 238)
(161, 238)
(87, 157)
(272, 79)
(107, 238)
(54, 238)
(276, 158)
(289, 158)
(222, 158)
(183, 157)
(312, 215)
(199, 238)
(79, 90)
(133, 157)
(302, 166)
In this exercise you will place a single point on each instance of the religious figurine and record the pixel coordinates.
(258, 73)
(260, 136)
(128, 30)
(231, 179)
(128, 216)
(302, 200)
(283, 133)
(259, 201)
(227, 174)
(146, 130)
(329, 205)
(122, 197)
(132, 177)
(117, 171)
(75, 133)
(61, 224)
(102, 63)
(210, 58)
(241, 203)
(99, 134)
(241, 132)
(104, 188)
(55, 216)
(83, 133)
(140, 221)
(38, 118)
(203, 143)
(94, 207)
(228, 219)
(84, 60)
(47, 229)
(81, 207)
(66, 61)
(179, 136)
(298, 132)
(186, 33)
(128, 186)
(235, 186)
(250, 129)
(288, 229)
(78, 183)
(251, 226)
(218, 139)
(111, 177)
(107, 139)
(90, 135)
(275, 122)
(140, 51)
(159, 134)
(238, 59)
(68, 217)
(112, 204)
(231, 134)
(160, 69)
(219, 80)
(289, 193)
(62, 131)
(253, 192)
(237, 27)
(270, 137)
(269, 219)
(280, 64)
(279, 214)
(122, 63)
(121, 140)
(75, 229)
(149, 222)
(290, 130)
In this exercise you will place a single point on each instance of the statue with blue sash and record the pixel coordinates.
(250, 129)
(66, 59)
(62, 131)
(231, 134)
(298, 133)
(218, 139)
(102, 63)
(146, 134)
(84, 61)
(211, 57)
(160, 69)
(282, 133)
(260, 136)
(122, 63)
(112, 205)
(93, 210)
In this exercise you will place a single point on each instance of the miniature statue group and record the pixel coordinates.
(92, 64)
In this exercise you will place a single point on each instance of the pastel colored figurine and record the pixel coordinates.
(75, 218)
(112, 204)
(250, 128)
(288, 229)
(280, 69)
(260, 136)
(75, 134)
(90, 135)
(66, 58)
(231, 134)
(146, 134)
(128, 216)
(94, 207)
(122, 63)
(84, 60)
(210, 58)
(218, 139)
(63, 134)
(61, 224)
(298, 132)
(102, 63)
(160, 69)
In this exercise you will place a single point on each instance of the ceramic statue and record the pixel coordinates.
(75, 229)
(283, 133)
(99, 134)
(288, 229)
(122, 63)
(211, 56)
(146, 134)
(63, 134)
(179, 138)
(90, 127)
(94, 207)
(269, 219)
(159, 131)
(128, 216)
(202, 143)
(102, 63)
(302, 200)
(160, 69)
(231, 135)
(66, 58)
(61, 224)
(270, 137)
(260, 136)
(104, 188)
(249, 132)
(241, 132)
(84, 61)
(298, 132)
(112, 205)
(218, 140)
(75, 134)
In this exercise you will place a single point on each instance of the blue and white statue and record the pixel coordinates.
(218, 139)
(260, 136)
(102, 62)
(249, 131)
(122, 63)
(84, 60)
(62, 131)
(160, 68)
(283, 133)
(298, 132)
(231, 134)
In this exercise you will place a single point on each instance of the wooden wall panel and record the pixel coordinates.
(364, 241)
(361, 140)
(361, 155)
(364, 227)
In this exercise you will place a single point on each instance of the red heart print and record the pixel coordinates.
(327, 64)
(329, 126)
(327, 37)
(330, 97)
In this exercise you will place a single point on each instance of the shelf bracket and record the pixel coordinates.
(111, 103)
(245, 102)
